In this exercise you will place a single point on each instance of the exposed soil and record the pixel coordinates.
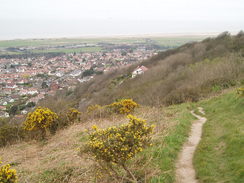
(185, 172)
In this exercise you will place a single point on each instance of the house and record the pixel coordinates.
(4, 114)
(54, 86)
(139, 70)
(75, 73)
(24, 112)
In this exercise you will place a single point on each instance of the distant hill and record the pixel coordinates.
(187, 73)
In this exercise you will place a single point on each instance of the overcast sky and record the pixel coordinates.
(73, 18)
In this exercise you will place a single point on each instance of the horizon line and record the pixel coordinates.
(93, 36)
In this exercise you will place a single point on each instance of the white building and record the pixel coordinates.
(139, 70)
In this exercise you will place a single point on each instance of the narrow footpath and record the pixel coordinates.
(185, 172)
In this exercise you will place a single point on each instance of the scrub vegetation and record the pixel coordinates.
(88, 137)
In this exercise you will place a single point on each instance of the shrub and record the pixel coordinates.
(240, 91)
(97, 111)
(93, 108)
(73, 115)
(40, 120)
(10, 133)
(123, 106)
(116, 145)
(7, 175)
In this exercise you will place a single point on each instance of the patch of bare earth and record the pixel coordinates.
(185, 172)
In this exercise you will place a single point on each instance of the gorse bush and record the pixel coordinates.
(240, 91)
(93, 108)
(73, 115)
(123, 106)
(7, 175)
(116, 145)
(65, 118)
(40, 120)
(96, 111)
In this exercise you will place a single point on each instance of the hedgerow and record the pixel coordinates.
(114, 146)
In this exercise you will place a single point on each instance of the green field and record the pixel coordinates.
(85, 49)
(39, 44)
(174, 40)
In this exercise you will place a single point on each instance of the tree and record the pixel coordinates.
(123, 53)
(44, 85)
(13, 110)
(30, 104)
(88, 72)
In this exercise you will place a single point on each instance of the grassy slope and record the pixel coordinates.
(165, 152)
(57, 160)
(220, 154)
(218, 157)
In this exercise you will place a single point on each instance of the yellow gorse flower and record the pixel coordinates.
(240, 91)
(73, 115)
(41, 118)
(119, 144)
(7, 175)
(123, 106)
(93, 108)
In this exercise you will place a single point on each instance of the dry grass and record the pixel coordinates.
(34, 159)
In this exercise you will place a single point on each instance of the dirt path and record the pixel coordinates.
(185, 172)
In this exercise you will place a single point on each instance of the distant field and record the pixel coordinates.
(85, 49)
(173, 41)
(177, 41)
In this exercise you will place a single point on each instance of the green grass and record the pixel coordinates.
(172, 41)
(220, 154)
(165, 152)
(85, 49)
(56, 175)
(176, 41)
(44, 42)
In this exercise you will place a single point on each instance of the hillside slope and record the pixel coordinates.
(58, 161)
(219, 157)
(188, 73)
(183, 75)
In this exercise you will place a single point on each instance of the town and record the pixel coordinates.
(26, 80)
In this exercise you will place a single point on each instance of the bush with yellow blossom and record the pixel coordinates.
(7, 175)
(40, 119)
(96, 111)
(73, 115)
(93, 108)
(116, 145)
(240, 91)
(123, 106)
